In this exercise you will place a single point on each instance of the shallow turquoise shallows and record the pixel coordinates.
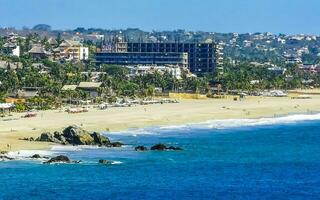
(279, 161)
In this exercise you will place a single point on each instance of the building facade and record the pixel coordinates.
(201, 57)
(11, 49)
(71, 50)
(142, 58)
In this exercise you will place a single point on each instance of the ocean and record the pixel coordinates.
(270, 158)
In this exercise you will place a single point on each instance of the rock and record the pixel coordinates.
(174, 148)
(47, 137)
(5, 158)
(116, 144)
(4, 152)
(36, 156)
(100, 139)
(141, 148)
(60, 137)
(162, 147)
(77, 136)
(105, 162)
(159, 147)
(58, 159)
(74, 135)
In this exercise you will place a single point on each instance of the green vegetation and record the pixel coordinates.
(239, 72)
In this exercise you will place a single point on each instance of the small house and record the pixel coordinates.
(91, 87)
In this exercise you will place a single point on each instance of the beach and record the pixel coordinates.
(14, 127)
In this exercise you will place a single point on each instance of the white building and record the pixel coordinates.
(174, 70)
(11, 49)
(84, 53)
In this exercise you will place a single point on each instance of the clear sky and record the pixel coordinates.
(277, 16)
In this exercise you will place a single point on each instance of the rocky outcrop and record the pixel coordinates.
(36, 156)
(105, 162)
(99, 139)
(74, 135)
(162, 147)
(59, 136)
(58, 159)
(5, 158)
(159, 147)
(47, 137)
(174, 148)
(31, 139)
(116, 144)
(141, 148)
(77, 136)
(3, 152)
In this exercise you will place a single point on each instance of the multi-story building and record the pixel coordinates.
(142, 58)
(201, 57)
(71, 50)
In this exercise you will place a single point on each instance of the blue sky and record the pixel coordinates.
(277, 16)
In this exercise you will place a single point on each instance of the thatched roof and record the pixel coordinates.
(69, 87)
(89, 85)
(37, 49)
(70, 43)
(24, 94)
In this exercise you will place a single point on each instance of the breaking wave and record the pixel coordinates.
(234, 123)
(222, 124)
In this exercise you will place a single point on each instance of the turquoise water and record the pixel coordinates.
(279, 161)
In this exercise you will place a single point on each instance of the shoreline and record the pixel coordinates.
(138, 117)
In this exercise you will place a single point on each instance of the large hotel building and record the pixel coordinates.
(199, 58)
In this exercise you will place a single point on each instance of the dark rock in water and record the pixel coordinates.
(77, 136)
(105, 162)
(36, 156)
(58, 159)
(141, 148)
(116, 144)
(5, 158)
(162, 147)
(77, 161)
(100, 139)
(174, 148)
(159, 147)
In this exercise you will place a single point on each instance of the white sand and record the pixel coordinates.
(116, 119)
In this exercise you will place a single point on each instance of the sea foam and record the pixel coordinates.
(222, 124)
(234, 123)
(26, 154)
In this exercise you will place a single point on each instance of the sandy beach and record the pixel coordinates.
(116, 119)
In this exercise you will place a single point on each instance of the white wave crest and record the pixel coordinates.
(26, 154)
(220, 124)
(68, 148)
(116, 162)
(234, 123)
